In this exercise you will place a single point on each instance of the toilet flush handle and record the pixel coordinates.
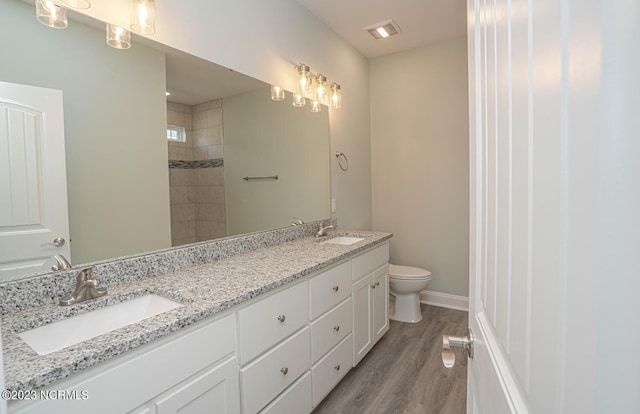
(448, 342)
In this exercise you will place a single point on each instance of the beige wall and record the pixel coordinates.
(112, 164)
(420, 166)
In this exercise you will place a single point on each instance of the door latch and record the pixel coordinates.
(449, 342)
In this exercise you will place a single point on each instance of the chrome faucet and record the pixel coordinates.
(323, 230)
(86, 288)
(61, 262)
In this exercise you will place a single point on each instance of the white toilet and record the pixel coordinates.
(405, 284)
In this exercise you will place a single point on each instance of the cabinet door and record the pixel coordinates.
(362, 297)
(215, 391)
(380, 303)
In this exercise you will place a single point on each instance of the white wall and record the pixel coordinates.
(420, 159)
(115, 152)
(264, 39)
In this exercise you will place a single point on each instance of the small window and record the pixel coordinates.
(176, 133)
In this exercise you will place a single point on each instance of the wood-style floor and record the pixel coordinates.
(403, 373)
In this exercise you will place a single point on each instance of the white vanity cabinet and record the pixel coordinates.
(370, 279)
(331, 327)
(291, 344)
(180, 373)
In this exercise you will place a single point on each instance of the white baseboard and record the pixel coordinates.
(444, 300)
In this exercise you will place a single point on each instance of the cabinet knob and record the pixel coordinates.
(377, 284)
(336, 328)
(281, 318)
(373, 286)
(284, 370)
(337, 367)
(336, 288)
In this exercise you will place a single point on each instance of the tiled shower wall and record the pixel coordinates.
(196, 173)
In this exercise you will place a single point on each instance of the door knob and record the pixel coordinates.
(57, 242)
(449, 342)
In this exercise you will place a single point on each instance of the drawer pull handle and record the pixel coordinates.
(336, 367)
(336, 328)
(281, 318)
(336, 288)
(284, 370)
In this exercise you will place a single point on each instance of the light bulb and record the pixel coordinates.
(336, 96)
(117, 37)
(298, 100)
(315, 106)
(51, 14)
(144, 16)
(277, 93)
(304, 81)
(322, 94)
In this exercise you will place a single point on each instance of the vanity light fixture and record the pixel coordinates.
(277, 93)
(315, 88)
(117, 37)
(51, 14)
(144, 16)
(77, 4)
(383, 29)
(298, 100)
(336, 96)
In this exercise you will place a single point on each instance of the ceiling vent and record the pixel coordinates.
(384, 29)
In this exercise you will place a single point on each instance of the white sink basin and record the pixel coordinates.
(344, 240)
(71, 331)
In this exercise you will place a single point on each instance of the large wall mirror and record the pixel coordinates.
(130, 189)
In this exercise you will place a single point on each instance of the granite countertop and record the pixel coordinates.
(204, 290)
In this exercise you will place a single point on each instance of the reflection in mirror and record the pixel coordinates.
(122, 197)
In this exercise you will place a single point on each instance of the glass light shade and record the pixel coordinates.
(304, 81)
(51, 14)
(144, 16)
(277, 93)
(298, 100)
(336, 96)
(77, 4)
(316, 106)
(321, 89)
(117, 37)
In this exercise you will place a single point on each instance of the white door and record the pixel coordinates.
(555, 206)
(34, 223)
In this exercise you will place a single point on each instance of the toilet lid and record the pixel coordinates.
(408, 272)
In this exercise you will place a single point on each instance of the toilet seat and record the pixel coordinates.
(408, 272)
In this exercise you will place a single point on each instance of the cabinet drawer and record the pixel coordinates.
(330, 329)
(329, 288)
(330, 370)
(370, 261)
(268, 321)
(265, 378)
(296, 399)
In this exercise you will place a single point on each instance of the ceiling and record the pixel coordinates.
(421, 21)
